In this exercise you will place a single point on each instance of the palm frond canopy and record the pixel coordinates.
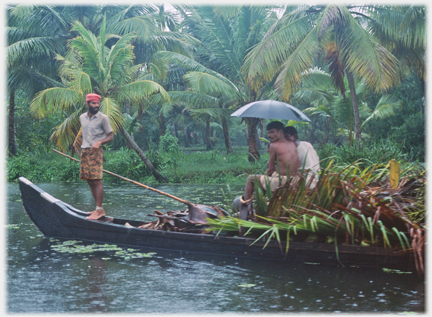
(205, 83)
(281, 40)
(91, 66)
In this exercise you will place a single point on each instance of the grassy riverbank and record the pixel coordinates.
(195, 167)
(191, 165)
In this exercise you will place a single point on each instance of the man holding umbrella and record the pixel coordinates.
(283, 162)
(281, 150)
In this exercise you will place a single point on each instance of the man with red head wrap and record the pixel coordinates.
(96, 131)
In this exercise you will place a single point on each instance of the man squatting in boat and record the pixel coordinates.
(283, 161)
(96, 131)
(288, 158)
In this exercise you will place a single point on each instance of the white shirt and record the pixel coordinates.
(309, 160)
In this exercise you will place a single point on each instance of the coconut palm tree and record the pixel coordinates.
(155, 29)
(30, 51)
(336, 32)
(319, 91)
(91, 66)
(226, 33)
(402, 30)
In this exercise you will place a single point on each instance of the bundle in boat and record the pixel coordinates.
(193, 219)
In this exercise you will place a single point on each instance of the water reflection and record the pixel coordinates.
(178, 282)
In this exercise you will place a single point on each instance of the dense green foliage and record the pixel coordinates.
(192, 165)
(208, 75)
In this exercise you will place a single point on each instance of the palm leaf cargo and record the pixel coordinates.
(57, 219)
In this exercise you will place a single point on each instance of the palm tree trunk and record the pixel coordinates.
(143, 157)
(186, 135)
(226, 135)
(253, 154)
(11, 136)
(311, 138)
(175, 129)
(162, 125)
(207, 136)
(328, 130)
(357, 127)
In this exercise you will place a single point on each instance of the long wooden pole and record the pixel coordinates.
(132, 181)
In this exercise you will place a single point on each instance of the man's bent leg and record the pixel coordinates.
(250, 186)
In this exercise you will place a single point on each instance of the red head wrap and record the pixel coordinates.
(93, 97)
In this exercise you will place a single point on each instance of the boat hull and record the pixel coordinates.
(56, 219)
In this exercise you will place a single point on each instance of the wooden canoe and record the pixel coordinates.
(57, 219)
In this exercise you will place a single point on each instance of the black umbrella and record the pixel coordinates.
(270, 109)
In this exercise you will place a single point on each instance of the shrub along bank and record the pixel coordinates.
(191, 166)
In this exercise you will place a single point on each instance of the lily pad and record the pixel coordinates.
(247, 285)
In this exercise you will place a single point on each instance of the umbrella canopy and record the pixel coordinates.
(270, 109)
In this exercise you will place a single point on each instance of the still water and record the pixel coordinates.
(41, 279)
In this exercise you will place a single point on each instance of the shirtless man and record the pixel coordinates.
(283, 161)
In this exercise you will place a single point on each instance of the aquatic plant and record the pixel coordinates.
(77, 247)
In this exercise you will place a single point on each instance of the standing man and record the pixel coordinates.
(96, 131)
(283, 162)
(308, 157)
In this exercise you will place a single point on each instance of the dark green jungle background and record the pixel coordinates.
(192, 149)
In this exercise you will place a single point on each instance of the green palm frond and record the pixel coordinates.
(280, 42)
(215, 33)
(142, 26)
(71, 72)
(21, 11)
(31, 79)
(207, 114)
(227, 12)
(147, 31)
(188, 99)
(92, 61)
(397, 24)
(48, 100)
(81, 82)
(182, 60)
(88, 38)
(65, 133)
(140, 91)
(112, 110)
(130, 11)
(36, 46)
(413, 22)
(131, 123)
(317, 88)
(120, 58)
(296, 64)
(319, 110)
(205, 83)
(402, 30)
(176, 42)
(158, 70)
(365, 57)
(385, 108)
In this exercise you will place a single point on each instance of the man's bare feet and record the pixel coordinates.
(97, 214)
